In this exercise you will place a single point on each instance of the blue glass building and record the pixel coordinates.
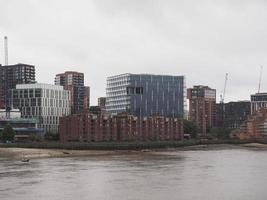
(146, 95)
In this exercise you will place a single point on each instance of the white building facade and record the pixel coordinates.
(45, 102)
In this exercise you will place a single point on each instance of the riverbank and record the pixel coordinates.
(32, 153)
(35, 153)
(107, 146)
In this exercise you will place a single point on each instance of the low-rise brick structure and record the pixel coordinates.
(255, 127)
(89, 127)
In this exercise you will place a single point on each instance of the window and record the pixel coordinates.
(15, 94)
(33, 102)
(31, 93)
(38, 93)
(139, 90)
(39, 101)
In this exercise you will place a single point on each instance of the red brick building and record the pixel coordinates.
(202, 107)
(255, 127)
(80, 94)
(88, 127)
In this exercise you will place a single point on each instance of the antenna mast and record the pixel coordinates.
(6, 50)
(224, 89)
(260, 79)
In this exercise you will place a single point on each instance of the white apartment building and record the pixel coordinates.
(45, 102)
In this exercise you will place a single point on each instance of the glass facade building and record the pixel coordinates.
(146, 95)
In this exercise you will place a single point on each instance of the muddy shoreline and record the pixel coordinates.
(36, 153)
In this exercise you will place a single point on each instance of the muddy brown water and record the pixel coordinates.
(185, 175)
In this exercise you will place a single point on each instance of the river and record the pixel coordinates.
(226, 174)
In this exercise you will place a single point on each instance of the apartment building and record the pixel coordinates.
(99, 127)
(10, 76)
(79, 94)
(202, 107)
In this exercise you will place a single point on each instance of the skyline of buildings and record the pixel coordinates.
(140, 95)
(96, 101)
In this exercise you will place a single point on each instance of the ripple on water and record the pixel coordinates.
(209, 175)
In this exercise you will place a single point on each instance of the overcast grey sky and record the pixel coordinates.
(201, 39)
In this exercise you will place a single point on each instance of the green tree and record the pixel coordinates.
(220, 133)
(51, 136)
(1, 136)
(8, 133)
(190, 128)
(34, 137)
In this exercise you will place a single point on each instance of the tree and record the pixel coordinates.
(1, 136)
(8, 133)
(220, 133)
(34, 137)
(51, 136)
(190, 128)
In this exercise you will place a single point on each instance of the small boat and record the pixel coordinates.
(24, 159)
(145, 150)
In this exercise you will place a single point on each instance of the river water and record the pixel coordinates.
(209, 175)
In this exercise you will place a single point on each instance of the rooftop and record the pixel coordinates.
(39, 86)
(130, 74)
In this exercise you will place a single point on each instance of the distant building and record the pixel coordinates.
(146, 95)
(98, 127)
(255, 127)
(86, 100)
(11, 114)
(10, 76)
(95, 110)
(231, 115)
(24, 128)
(102, 102)
(80, 94)
(202, 107)
(258, 101)
(44, 102)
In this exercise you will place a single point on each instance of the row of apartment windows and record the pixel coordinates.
(49, 127)
(43, 111)
(17, 93)
(40, 102)
(49, 120)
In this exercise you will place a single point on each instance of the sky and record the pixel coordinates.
(201, 39)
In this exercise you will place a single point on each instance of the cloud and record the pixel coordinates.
(200, 39)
